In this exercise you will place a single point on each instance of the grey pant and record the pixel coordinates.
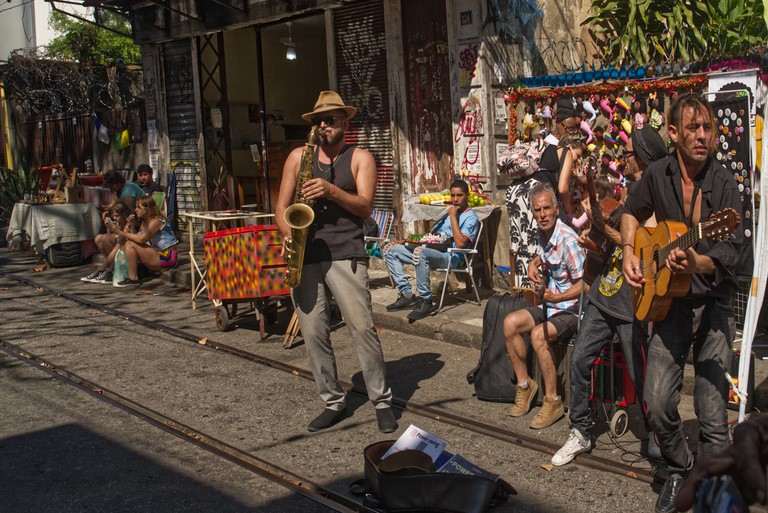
(704, 326)
(347, 280)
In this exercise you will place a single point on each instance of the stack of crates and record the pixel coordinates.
(244, 263)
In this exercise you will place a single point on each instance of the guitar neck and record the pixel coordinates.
(683, 242)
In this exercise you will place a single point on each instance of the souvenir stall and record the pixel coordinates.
(610, 110)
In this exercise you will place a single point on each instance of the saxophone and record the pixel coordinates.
(299, 216)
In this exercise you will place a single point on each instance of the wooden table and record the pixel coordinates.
(215, 219)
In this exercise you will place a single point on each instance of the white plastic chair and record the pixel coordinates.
(468, 255)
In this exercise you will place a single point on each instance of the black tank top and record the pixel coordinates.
(335, 234)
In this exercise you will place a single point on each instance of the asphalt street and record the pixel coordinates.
(63, 450)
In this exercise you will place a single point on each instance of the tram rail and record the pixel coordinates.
(262, 467)
(462, 422)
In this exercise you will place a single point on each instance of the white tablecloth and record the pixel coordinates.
(52, 224)
(418, 212)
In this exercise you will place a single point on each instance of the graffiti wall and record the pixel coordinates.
(426, 58)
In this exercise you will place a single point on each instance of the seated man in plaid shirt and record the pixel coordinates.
(562, 261)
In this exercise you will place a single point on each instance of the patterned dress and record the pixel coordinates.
(522, 229)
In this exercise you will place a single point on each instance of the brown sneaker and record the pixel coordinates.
(550, 412)
(523, 399)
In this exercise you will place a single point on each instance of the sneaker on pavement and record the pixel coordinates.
(422, 309)
(654, 451)
(103, 277)
(576, 444)
(666, 501)
(403, 301)
(128, 283)
(523, 399)
(549, 413)
(92, 277)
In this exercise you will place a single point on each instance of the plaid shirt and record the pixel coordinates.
(565, 264)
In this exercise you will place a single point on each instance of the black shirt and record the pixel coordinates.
(149, 189)
(660, 191)
(610, 293)
(335, 234)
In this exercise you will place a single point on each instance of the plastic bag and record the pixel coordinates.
(521, 160)
(120, 269)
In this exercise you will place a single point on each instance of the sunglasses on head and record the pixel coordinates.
(328, 120)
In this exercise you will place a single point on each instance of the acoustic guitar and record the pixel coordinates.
(597, 244)
(651, 302)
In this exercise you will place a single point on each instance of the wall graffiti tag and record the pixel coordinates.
(469, 123)
(468, 64)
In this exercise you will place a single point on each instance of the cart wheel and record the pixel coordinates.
(222, 318)
(619, 423)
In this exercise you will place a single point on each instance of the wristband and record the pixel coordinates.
(627, 244)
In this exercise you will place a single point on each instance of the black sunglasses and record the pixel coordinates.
(328, 120)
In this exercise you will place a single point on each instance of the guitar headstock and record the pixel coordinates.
(721, 224)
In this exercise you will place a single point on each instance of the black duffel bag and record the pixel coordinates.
(416, 487)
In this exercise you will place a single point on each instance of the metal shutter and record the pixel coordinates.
(182, 123)
(361, 63)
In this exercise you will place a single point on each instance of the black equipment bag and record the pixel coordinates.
(494, 378)
(412, 490)
(64, 254)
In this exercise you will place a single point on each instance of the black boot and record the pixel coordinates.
(326, 419)
(666, 501)
(423, 309)
(385, 418)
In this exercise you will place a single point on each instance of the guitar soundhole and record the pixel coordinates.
(655, 261)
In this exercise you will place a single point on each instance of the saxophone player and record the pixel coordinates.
(340, 191)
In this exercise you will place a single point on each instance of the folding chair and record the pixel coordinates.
(375, 245)
(159, 198)
(383, 220)
(468, 255)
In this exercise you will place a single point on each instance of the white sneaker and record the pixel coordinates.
(576, 444)
(654, 452)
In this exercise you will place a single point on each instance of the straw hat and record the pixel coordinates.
(328, 101)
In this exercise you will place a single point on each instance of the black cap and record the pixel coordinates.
(648, 144)
(565, 109)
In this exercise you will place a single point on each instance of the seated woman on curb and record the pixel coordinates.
(154, 246)
(108, 244)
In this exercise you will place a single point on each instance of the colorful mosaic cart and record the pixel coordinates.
(245, 265)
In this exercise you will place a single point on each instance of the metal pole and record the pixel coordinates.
(262, 115)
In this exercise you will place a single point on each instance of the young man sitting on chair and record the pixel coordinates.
(460, 224)
(561, 257)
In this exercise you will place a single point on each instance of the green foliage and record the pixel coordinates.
(664, 31)
(14, 184)
(91, 45)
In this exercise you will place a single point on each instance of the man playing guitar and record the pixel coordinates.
(608, 308)
(687, 187)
